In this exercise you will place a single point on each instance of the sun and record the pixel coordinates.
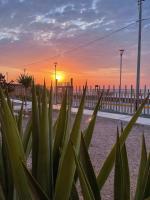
(59, 76)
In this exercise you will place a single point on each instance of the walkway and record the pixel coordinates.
(121, 117)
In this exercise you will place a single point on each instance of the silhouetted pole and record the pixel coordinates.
(139, 55)
(55, 65)
(120, 83)
(24, 71)
(7, 76)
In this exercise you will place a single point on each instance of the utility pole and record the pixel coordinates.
(24, 71)
(55, 65)
(7, 77)
(140, 3)
(120, 84)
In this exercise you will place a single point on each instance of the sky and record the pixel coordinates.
(36, 33)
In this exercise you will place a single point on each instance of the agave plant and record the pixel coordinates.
(59, 153)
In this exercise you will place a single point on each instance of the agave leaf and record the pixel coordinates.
(89, 131)
(2, 196)
(147, 191)
(145, 179)
(67, 165)
(54, 128)
(8, 185)
(35, 131)
(10, 104)
(125, 174)
(147, 198)
(142, 167)
(109, 162)
(85, 185)
(37, 191)
(67, 128)
(74, 193)
(39, 105)
(29, 148)
(59, 134)
(14, 148)
(2, 171)
(118, 179)
(51, 142)
(88, 169)
(27, 136)
(20, 118)
(68, 123)
(44, 151)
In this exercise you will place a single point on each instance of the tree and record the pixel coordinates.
(26, 81)
(6, 86)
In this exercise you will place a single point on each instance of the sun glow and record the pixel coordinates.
(59, 76)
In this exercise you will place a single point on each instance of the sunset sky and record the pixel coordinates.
(36, 33)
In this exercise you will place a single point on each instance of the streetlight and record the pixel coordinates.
(121, 55)
(139, 54)
(55, 65)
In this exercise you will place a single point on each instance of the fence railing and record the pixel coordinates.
(113, 100)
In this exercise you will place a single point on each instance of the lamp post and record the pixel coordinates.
(140, 3)
(55, 65)
(120, 83)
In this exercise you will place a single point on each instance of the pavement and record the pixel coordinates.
(116, 116)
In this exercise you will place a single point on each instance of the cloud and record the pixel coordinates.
(109, 22)
(43, 19)
(94, 4)
(10, 34)
(33, 27)
(12, 15)
(3, 2)
(43, 36)
(83, 25)
(147, 26)
(63, 8)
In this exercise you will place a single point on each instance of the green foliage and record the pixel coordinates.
(59, 154)
(5, 85)
(25, 80)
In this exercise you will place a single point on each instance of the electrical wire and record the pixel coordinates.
(83, 45)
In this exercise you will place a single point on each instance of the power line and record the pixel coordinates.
(84, 45)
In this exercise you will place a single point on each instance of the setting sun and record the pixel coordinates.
(59, 76)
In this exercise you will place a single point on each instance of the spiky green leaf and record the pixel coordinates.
(67, 165)
(125, 174)
(89, 131)
(59, 134)
(139, 186)
(88, 169)
(35, 131)
(85, 185)
(43, 166)
(109, 162)
(14, 148)
(118, 178)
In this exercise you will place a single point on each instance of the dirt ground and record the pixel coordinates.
(103, 139)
